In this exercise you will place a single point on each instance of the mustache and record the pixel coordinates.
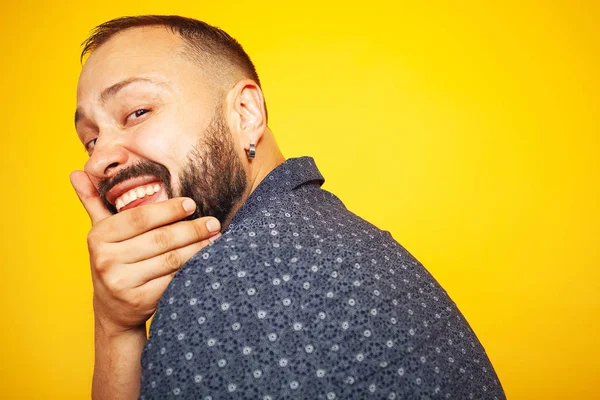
(141, 168)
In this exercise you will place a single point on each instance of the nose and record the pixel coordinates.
(107, 158)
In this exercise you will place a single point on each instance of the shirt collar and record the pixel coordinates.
(287, 176)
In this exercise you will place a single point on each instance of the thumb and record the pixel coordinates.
(89, 196)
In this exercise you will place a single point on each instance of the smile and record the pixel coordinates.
(136, 193)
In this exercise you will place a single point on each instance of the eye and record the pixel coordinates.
(136, 114)
(89, 146)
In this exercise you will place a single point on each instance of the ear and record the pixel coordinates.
(247, 113)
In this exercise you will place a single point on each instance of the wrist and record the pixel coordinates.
(110, 330)
(108, 326)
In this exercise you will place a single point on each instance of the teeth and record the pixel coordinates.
(134, 194)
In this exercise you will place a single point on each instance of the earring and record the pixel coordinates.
(252, 151)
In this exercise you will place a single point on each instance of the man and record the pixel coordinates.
(299, 298)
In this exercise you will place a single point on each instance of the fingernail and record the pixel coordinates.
(189, 205)
(212, 239)
(213, 225)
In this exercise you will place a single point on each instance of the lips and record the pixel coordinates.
(136, 191)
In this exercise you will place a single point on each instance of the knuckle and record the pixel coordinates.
(102, 262)
(91, 238)
(115, 284)
(199, 229)
(161, 238)
(137, 218)
(172, 261)
(176, 208)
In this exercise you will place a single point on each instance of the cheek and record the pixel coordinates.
(164, 143)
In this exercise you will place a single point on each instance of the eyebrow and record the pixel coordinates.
(112, 91)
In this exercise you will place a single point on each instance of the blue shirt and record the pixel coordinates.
(300, 298)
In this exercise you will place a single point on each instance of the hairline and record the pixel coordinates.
(187, 50)
(221, 59)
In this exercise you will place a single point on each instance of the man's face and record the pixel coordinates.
(154, 128)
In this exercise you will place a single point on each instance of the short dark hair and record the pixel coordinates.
(203, 39)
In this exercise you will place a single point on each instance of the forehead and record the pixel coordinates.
(143, 51)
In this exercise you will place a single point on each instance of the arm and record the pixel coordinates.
(133, 257)
(117, 368)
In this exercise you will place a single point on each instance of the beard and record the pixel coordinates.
(213, 175)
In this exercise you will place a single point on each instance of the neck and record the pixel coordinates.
(268, 157)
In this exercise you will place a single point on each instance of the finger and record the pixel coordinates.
(165, 264)
(133, 222)
(166, 238)
(154, 289)
(89, 196)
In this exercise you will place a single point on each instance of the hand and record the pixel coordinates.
(135, 253)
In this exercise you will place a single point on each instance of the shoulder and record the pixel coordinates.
(304, 293)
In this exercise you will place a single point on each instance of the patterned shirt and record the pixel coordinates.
(302, 299)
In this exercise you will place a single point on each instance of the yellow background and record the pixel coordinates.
(468, 130)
